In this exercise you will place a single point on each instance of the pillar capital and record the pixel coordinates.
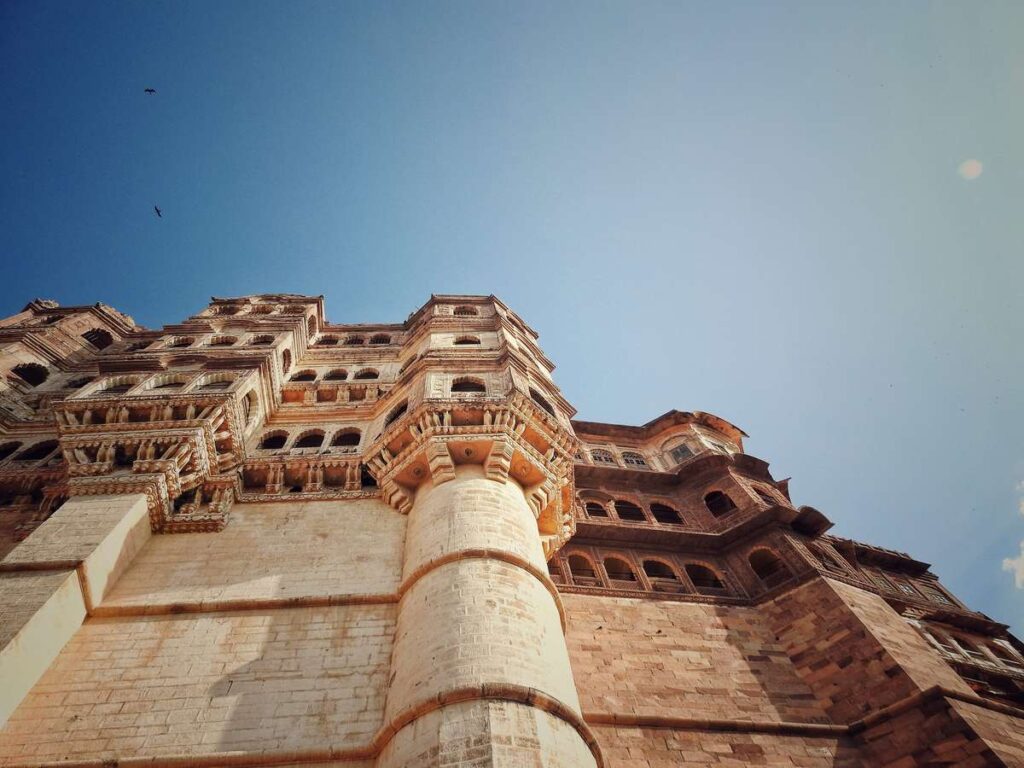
(512, 438)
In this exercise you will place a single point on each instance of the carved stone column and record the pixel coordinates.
(480, 669)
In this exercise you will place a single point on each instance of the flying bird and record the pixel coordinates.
(151, 91)
(158, 214)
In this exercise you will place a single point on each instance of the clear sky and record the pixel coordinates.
(762, 212)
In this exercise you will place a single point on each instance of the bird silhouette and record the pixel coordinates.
(151, 91)
(158, 214)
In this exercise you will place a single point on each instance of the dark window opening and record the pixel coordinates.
(718, 503)
(769, 567)
(37, 451)
(366, 479)
(704, 579)
(396, 414)
(582, 572)
(32, 374)
(304, 376)
(539, 400)
(98, 338)
(596, 510)
(380, 338)
(338, 374)
(627, 510)
(349, 438)
(618, 570)
(366, 374)
(274, 440)
(665, 514)
(468, 385)
(312, 440)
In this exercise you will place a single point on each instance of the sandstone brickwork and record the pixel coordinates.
(255, 537)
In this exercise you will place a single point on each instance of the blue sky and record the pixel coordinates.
(749, 210)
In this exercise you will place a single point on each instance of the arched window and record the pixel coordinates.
(627, 510)
(680, 453)
(306, 375)
(338, 374)
(466, 384)
(596, 510)
(249, 406)
(718, 503)
(179, 342)
(354, 341)
(766, 497)
(7, 449)
(539, 400)
(396, 414)
(633, 459)
(366, 478)
(366, 374)
(37, 451)
(662, 577)
(601, 456)
(98, 337)
(769, 567)
(555, 572)
(32, 374)
(223, 341)
(286, 361)
(79, 383)
(328, 341)
(310, 440)
(380, 338)
(665, 514)
(618, 570)
(466, 340)
(167, 383)
(117, 387)
(347, 438)
(582, 572)
(311, 327)
(705, 580)
(464, 310)
(262, 340)
(274, 440)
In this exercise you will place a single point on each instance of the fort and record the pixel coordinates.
(258, 538)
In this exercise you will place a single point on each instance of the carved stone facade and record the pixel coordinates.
(259, 538)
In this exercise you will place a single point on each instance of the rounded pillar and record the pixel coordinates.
(480, 668)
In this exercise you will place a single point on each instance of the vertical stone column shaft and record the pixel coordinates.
(480, 667)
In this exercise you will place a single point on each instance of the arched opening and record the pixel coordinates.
(37, 451)
(263, 340)
(555, 571)
(249, 403)
(596, 510)
(274, 440)
(380, 338)
(310, 440)
(328, 341)
(466, 341)
(214, 386)
(98, 337)
(366, 479)
(582, 572)
(538, 398)
(705, 580)
(366, 374)
(719, 503)
(306, 375)
(633, 459)
(627, 510)
(468, 385)
(396, 414)
(766, 497)
(338, 374)
(464, 310)
(286, 361)
(601, 456)
(347, 438)
(32, 374)
(768, 567)
(666, 515)
(8, 449)
(311, 327)
(680, 453)
(662, 577)
(619, 570)
(354, 341)
(223, 341)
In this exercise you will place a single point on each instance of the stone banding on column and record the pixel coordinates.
(492, 554)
